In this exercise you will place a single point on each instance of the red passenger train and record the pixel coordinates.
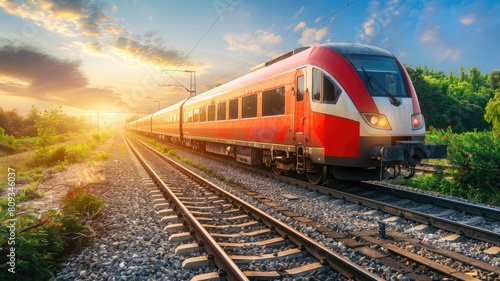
(344, 111)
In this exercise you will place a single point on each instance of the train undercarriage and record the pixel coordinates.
(395, 161)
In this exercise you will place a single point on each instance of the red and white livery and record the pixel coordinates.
(345, 111)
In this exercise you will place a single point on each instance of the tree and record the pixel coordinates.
(30, 121)
(493, 112)
(494, 79)
(11, 122)
(449, 100)
(46, 127)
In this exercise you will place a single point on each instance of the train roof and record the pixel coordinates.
(289, 63)
(357, 49)
(164, 110)
(281, 64)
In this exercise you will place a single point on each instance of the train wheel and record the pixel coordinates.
(276, 170)
(318, 176)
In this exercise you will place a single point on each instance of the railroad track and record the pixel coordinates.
(429, 168)
(207, 219)
(399, 250)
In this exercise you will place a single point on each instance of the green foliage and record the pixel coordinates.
(46, 127)
(77, 153)
(41, 243)
(475, 166)
(101, 156)
(448, 100)
(18, 133)
(493, 112)
(62, 154)
(81, 203)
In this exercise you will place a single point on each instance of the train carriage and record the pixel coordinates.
(347, 111)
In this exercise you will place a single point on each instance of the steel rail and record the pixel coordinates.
(429, 219)
(476, 209)
(438, 222)
(441, 223)
(222, 260)
(319, 251)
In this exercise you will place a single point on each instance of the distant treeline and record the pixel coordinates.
(16, 125)
(465, 102)
(36, 130)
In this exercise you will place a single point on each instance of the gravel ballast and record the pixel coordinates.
(133, 245)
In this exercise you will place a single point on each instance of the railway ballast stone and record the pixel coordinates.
(132, 244)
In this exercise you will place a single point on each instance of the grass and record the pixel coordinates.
(42, 241)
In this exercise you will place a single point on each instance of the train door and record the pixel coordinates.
(299, 116)
(300, 119)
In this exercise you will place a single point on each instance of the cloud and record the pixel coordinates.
(69, 18)
(258, 42)
(298, 13)
(467, 20)
(98, 32)
(313, 36)
(147, 51)
(28, 72)
(388, 20)
(299, 26)
(430, 34)
(43, 72)
(432, 37)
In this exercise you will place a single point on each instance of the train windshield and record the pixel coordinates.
(381, 75)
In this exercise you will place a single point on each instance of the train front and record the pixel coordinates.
(392, 127)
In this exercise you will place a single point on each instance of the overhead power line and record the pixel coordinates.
(288, 39)
(202, 37)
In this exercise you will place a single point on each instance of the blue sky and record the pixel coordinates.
(110, 55)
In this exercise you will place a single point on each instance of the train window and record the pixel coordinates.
(196, 114)
(316, 87)
(211, 112)
(324, 89)
(203, 114)
(249, 106)
(221, 111)
(189, 118)
(300, 88)
(233, 109)
(331, 91)
(273, 102)
(381, 75)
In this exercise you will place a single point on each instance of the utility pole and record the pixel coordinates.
(192, 81)
(158, 101)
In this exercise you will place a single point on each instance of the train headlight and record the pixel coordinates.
(375, 120)
(417, 121)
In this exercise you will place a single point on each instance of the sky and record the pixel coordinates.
(121, 58)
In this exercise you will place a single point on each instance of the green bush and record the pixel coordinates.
(475, 166)
(42, 242)
(51, 157)
(77, 153)
(101, 156)
(81, 203)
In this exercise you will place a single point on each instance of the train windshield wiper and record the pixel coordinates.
(369, 79)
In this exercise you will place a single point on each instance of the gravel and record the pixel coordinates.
(336, 215)
(135, 247)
